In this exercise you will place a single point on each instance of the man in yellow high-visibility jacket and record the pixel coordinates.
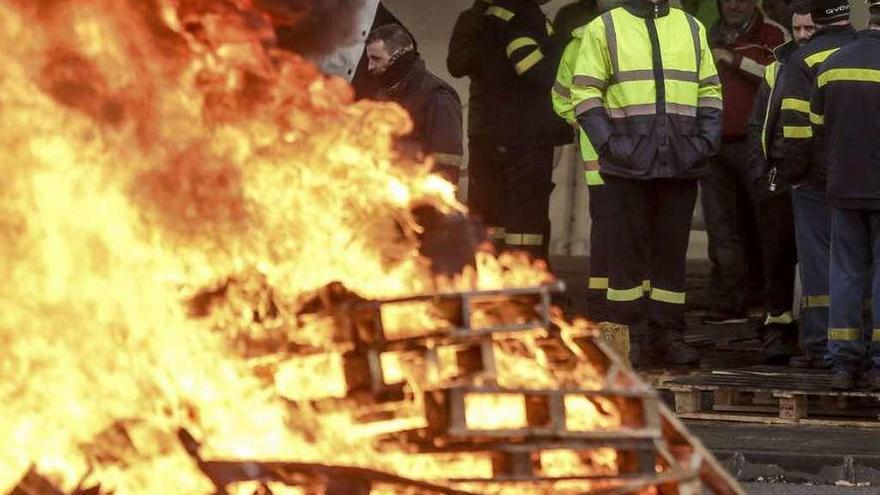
(648, 99)
(597, 283)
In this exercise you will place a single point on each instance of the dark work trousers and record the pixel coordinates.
(528, 182)
(779, 251)
(486, 186)
(648, 229)
(855, 252)
(812, 224)
(597, 284)
(732, 228)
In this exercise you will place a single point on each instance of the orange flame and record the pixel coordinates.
(156, 148)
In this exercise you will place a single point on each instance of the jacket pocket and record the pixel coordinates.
(690, 148)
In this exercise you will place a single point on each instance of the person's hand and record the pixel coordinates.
(723, 55)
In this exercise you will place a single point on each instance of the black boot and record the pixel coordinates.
(640, 355)
(671, 348)
(780, 343)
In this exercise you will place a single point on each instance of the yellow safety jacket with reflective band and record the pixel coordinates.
(563, 106)
(646, 92)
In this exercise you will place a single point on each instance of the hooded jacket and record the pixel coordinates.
(646, 92)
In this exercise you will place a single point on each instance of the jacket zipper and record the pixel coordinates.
(659, 81)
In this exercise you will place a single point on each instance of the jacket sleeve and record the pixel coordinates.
(757, 162)
(754, 66)
(592, 71)
(709, 100)
(533, 60)
(460, 60)
(797, 133)
(560, 95)
(443, 128)
(817, 114)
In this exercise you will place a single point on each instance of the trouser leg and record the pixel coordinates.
(779, 253)
(671, 209)
(486, 186)
(812, 218)
(597, 285)
(721, 209)
(850, 275)
(875, 289)
(628, 238)
(528, 181)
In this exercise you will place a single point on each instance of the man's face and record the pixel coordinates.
(802, 28)
(378, 57)
(737, 12)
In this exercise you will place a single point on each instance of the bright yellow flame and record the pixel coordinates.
(148, 162)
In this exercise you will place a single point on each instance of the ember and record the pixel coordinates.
(199, 236)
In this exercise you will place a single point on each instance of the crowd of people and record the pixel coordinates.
(757, 107)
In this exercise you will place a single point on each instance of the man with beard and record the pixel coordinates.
(776, 222)
(433, 105)
(804, 167)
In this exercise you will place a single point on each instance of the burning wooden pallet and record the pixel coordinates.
(606, 433)
(770, 395)
(651, 449)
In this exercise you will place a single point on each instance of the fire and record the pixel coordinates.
(155, 151)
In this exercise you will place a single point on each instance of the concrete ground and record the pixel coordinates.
(792, 489)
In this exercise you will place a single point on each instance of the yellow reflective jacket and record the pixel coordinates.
(646, 92)
(563, 106)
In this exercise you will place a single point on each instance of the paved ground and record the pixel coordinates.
(770, 460)
(789, 489)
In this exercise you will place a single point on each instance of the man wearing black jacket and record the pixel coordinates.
(847, 85)
(518, 59)
(433, 105)
(776, 221)
(803, 167)
(485, 187)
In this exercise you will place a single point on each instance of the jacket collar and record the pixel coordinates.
(783, 51)
(647, 9)
(829, 29)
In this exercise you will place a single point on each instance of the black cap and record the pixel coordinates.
(829, 11)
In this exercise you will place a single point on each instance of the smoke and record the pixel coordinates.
(312, 27)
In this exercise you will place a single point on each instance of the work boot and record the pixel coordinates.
(780, 343)
(843, 380)
(809, 361)
(640, 355)
(672, 349)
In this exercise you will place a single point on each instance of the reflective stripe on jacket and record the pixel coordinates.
(518, 62)
(646, 92)
(803, 162)
(844, 122)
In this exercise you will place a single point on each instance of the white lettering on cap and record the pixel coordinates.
(837, 10)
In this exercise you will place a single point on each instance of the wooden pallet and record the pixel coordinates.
(772, 395)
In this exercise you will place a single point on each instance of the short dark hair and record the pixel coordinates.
(801, 7)
(395, 36)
